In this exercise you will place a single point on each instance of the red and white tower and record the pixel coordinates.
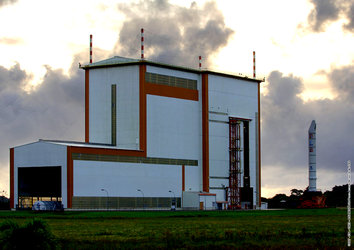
(90, 48)
(254, 64)
(142, 43)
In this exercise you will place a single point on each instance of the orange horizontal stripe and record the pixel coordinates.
(107, 151)
(206, 194)
(169, 91)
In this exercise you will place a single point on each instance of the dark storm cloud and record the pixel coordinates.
(342, 81)
(7, 2)
(173, 34)
(286, 119)
(53, 110)
(324, 11)
(327, 11)
(12, 78)
(350, 14)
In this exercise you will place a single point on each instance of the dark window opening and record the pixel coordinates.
(38, 184)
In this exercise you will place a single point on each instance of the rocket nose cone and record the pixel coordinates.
(312, 128)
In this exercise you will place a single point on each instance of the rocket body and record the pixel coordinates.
(312, 157)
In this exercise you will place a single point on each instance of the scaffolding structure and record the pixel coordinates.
(234, 190)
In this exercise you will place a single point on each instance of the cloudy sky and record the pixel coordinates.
(304, 50)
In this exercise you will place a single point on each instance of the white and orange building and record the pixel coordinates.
(153, 132)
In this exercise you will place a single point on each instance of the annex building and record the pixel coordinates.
(154, 134)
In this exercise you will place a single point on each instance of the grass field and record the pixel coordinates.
(281, 229)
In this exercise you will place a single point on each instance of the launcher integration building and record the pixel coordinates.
(153, 133)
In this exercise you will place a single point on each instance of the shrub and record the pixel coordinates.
(4, 203)
(33, 235)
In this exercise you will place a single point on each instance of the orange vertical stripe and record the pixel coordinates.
(69, 171)
(205, 131)
(259, 141)
(87, 107)
(183, 178)
(12, 178)
(142, 107)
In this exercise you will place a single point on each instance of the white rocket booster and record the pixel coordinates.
(312, 157)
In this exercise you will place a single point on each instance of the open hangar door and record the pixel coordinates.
(38, 184)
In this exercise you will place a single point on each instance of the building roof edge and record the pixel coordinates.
(116, 63)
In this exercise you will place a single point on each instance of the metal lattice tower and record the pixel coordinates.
(234, 192)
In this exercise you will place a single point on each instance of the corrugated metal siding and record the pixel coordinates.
(122, 202)
(170, 81)
(133, 159)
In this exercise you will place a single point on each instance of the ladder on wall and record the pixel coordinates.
(234, 190)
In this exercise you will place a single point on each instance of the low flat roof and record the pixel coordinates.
(118, 61)
(75, 144)
(82, 144)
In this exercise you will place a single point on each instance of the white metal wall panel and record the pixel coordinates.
(123, 179)
(192, 178)
(233, 98)
(219, 149)
(190, 200)
(219, 182)
(253, 164)
(200, 117)
(41, 154)
(236, 97)
(220, 194)
(99, 105)
(172, 128)
(208, 201)
(127, 81)
(171, 72)
(197, 116)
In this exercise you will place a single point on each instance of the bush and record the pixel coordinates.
(4, 203)
(33, 235)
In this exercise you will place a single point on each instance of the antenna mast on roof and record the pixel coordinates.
(142, 44)
(90, 48)
(254, 64)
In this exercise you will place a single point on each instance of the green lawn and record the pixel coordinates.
(199, 230)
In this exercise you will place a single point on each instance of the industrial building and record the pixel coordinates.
(154, 134)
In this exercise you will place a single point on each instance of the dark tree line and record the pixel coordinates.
(337, 197)
(4, 203)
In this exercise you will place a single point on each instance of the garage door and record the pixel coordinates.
(38, 183)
